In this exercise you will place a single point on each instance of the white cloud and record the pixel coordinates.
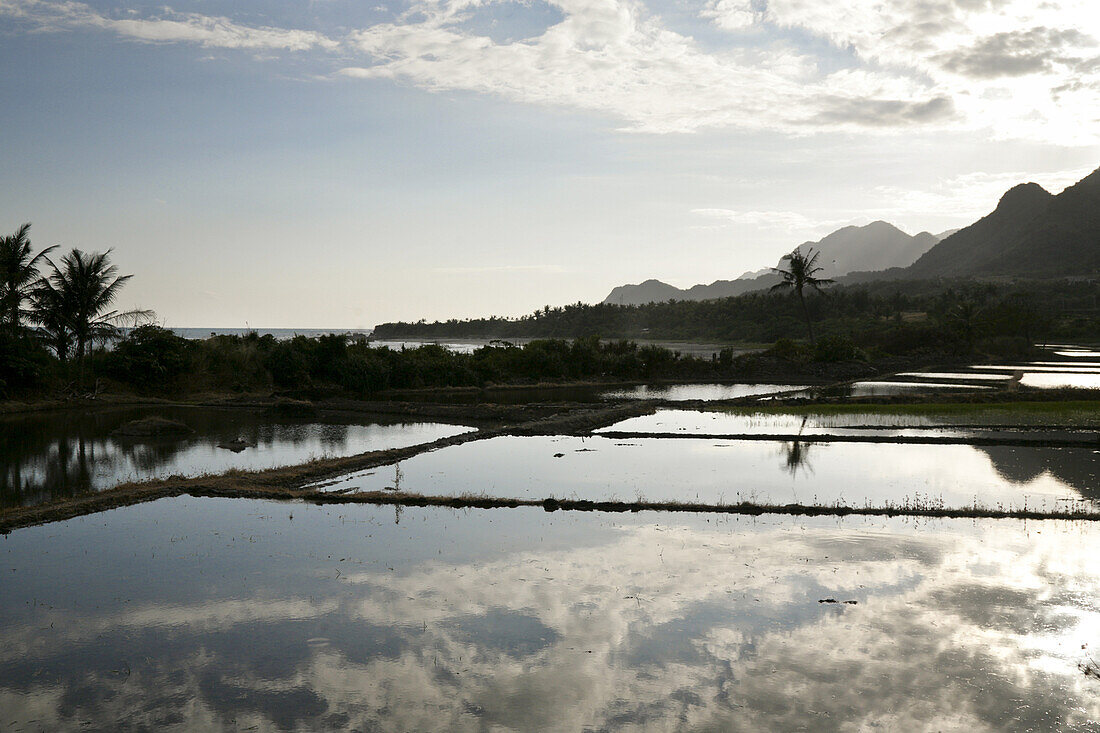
(207, 31)
(732, 14)
(547, 269)
(967, 197)
(1024, 69)
(611, 57)
(789, 221)
(1015, 68)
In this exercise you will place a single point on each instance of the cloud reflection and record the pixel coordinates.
(958, 625)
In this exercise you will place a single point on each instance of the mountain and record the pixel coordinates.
(1031, 234)
(876, 246)
(650, 291)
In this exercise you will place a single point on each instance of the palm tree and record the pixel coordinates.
(18, 276)
(799, 274)
(49, 312)
(75, 299)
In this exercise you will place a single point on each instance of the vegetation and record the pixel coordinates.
(74, 301)
(70, 308)
(888, 316)
(18, 276)
(59, 330)
(799, 274)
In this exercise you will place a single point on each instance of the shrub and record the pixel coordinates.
(24, 365)
(837, 348)
(789, 350)
(148, 356)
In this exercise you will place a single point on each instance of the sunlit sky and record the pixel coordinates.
(331, 163)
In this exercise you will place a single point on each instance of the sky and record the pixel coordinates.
(338, 164)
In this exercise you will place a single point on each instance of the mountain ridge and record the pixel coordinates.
(880, 244)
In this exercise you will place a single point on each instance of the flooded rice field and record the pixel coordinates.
(963, 420)
(186, 614)
(597, 393)
(720, 471)
(706, 392)
(1065, 368)
(205, 613)
(49, 455)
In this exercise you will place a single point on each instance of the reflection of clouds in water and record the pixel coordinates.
(958, 626)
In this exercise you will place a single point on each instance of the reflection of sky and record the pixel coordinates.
(874, 388)
(71, 453)
(719, 422)
(525, 620)
(682, 392)
(728, 470)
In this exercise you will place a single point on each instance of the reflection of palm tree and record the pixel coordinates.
(797, 452)
(801, 273)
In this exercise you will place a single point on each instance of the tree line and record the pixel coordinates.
(895, 316)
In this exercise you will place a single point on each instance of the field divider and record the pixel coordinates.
(552, 504)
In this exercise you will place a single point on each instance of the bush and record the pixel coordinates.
(149, 356)
(791, 351)
(288, 366)
(24, 365)
(837, 348)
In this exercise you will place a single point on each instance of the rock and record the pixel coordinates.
(236, 445)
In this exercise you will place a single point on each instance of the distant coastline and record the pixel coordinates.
(279, 333)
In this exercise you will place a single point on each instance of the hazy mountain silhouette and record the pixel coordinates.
(1031, 233)
(876, 246)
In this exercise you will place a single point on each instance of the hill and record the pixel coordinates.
(876, 246)
(1031, 234)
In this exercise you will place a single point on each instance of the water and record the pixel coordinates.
(1069, 372)
(957, 375)
(228, 614)
(1079, 353)
(595, 393)
(1060, 424)
(1072, 370)
(1058, 381)
(873, 388)
(501, 396)
(48, 455)
(729, 471)
(707, 392)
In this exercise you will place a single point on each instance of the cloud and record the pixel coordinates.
(967, 197)
(938, 65)
(173, 27)
(962, 52)
(1015, 53)
(791, 221)
(733, 14)
(549, 269)
(661, 626)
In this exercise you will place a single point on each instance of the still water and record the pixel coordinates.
(1015, 420)
(208, 614)
(50, 455)
(729, 471)
(706, 392)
